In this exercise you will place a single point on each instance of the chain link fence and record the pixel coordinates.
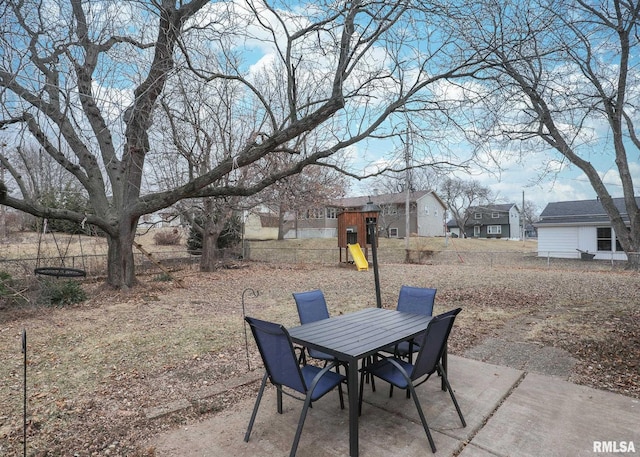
(482, 259)
(95, 265)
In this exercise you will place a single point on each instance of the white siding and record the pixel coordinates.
(587, 239)
(430, 216)
(253, 229)
(514, 223)
(564, 242)
(558, 242)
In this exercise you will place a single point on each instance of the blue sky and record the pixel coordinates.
(509, 183)
(565, 183)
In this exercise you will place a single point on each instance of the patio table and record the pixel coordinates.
(355, 336)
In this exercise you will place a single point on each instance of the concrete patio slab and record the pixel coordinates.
(545, 416)
(388, 427)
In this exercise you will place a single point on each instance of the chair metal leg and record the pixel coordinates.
(391, 391)
(422, 418)
(279, 399)
(445, 380)
(361, 393)
(255, 407)
(303, 416)
(443, 364)
(368, 376)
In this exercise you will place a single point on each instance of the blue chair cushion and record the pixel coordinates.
(320, 355)
(328, 381)
(385, 370)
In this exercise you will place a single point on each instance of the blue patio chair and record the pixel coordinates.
(416, 300)
(283, 370)
(312, 307)
(404, 375)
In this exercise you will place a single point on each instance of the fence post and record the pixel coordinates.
(24, 405)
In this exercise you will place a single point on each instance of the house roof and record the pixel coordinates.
(506, 207)
(382, 199)
(485, 209)
(580, 212)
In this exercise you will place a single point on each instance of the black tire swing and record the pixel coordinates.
(61, 271)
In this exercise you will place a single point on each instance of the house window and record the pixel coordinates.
(314, 213)
(390, 210)
(393, 232)
(605, 239)
(494, 229)
(332, 213)
(477, 215)
(495, 215)
(426, 210)
(435, 212)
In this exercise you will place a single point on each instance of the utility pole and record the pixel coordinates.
(3, 209)
(407, 202)
(522, 217)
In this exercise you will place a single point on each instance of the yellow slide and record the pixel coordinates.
(358, 257)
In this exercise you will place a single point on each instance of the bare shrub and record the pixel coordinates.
(166, 238)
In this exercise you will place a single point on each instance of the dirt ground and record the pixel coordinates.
(95, 368)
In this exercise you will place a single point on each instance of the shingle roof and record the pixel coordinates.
(580, 211)
(506, 207)
(485, 209)
(380, 199)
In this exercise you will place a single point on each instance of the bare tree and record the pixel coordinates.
(84, 81)
(313, 187)
(530, 213)
(564, 77)
(460, 196)
(420, 179)
(204, 132)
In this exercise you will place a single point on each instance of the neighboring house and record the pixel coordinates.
(530, 231)
(426, 215)
(260, 225)
(490, 221)
(566, 227)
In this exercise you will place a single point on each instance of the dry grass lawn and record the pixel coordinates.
(95, 367)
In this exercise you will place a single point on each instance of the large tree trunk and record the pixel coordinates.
(209, 256)
(633, 261)
(281, 222)
(120, 262)
(210, 234)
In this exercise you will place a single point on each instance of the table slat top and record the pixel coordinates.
(359, 334)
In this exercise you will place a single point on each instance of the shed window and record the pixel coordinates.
(393, 232)
(605, 240)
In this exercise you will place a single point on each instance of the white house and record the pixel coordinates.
(567, 228)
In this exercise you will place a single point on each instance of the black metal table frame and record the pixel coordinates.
(355, 336)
